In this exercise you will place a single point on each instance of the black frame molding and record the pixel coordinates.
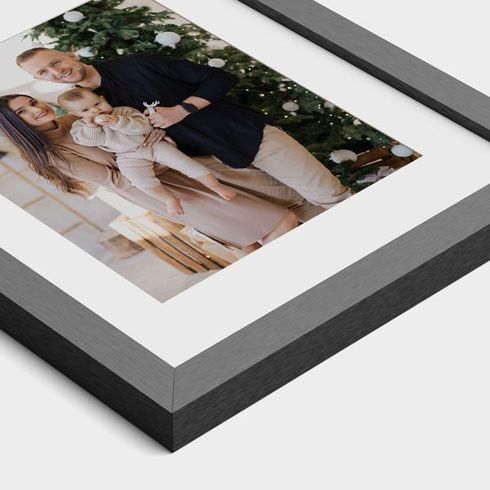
(176, 404)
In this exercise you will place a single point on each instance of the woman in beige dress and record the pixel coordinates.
(45, 143)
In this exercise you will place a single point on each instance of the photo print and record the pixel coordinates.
(165, 152)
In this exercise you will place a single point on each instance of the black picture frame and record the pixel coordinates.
(174, 405)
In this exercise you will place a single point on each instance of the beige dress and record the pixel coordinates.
(240, 222)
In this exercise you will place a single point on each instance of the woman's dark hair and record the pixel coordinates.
(39, 153)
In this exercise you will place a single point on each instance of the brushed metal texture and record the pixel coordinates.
(284, 365)
(86, 330)
(331, 297)
(109, 387)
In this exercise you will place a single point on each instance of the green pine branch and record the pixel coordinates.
(112, 31)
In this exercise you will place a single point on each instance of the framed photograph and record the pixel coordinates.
(197, 209)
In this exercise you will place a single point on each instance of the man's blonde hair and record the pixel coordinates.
(29, 53)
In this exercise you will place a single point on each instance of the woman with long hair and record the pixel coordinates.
(44, 142)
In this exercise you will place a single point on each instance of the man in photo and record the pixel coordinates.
(194, 110)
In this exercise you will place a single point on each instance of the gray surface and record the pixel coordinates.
(328, 299)
(99, 339)
(409, 74)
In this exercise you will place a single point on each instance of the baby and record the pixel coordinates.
(122, 130)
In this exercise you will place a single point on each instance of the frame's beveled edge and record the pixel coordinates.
(62, 315)
(329, 338)
(414, 77)
(215, 402)
(332, 297)
(94, 376)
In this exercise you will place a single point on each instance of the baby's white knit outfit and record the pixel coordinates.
(125, 137)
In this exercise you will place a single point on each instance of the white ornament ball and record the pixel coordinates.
(384, 171)
(328, 105)
(73, 16)
(401, 151)
(216, 62)
(290, 106)
(167, 38)
(120, 51)
(368, 179)
(86, 52)
(356, 122)
(340, 156)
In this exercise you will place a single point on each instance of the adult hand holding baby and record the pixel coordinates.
(164, 117)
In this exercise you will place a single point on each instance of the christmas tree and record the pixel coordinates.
(102, 29)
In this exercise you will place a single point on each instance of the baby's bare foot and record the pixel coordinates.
(175, 207)
(226, 192)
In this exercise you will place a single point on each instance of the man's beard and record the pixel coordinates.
(82, 72)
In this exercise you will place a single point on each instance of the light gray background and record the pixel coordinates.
(405, 407)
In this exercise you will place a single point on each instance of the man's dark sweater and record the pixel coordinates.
(231, 132)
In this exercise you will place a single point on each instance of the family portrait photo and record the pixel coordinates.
(165, 152)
